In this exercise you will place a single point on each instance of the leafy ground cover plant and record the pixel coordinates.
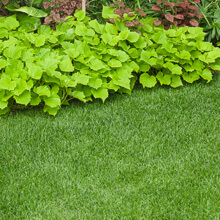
(179, 14)
(83, 59)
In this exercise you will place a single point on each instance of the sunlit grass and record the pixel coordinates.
(152, 155)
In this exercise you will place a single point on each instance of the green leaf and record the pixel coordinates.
(3, 105)
(79, 14)
(122, 56)
(96, 64)
(24, 98)
(51, 111)
(79, 95)
(35, 99)
(95, 83)
(160, 37)
(214, 66)
(134, 66)
(124, 34)
(141, 43)
(111, 29)
(191, 77)
(198, 65)
(31, 11)
(176, 81)
(99, 28)
(66, 64)
(114, 63)
(108, 12)
(43, 90)
(101, 93)
(34, 71)
(10, 22)
(7, 84)
(3, 33)
(28, 23)
(52, 101)
(21, 87)
(146, 55)
(80, 78)
(175, 69)
(183, 54)
(110, 39)
(3, 63)
(133, 37)
(147, 81)
(134, 53)
(164, 79)
(81, 30)
(13, 52)
(206, 74)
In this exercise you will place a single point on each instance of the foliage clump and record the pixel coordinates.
(85, 60)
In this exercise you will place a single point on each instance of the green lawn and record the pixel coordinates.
(152, 155)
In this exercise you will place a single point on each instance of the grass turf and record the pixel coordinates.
(152, 155)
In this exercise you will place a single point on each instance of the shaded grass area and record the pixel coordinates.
(152, 155)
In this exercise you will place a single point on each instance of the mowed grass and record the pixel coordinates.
(154, 154)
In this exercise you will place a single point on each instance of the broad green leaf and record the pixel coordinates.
(198, 65)
(214, 54)
(28, 23)
(114, 63)
(11, 22)
(3, 33)
(72, 52)
(133, 37)
(164, 79)
(144, 67)
(3, 63)
(3, 105)
(31, 11)
(206, 74)
(134, 53)
(7, 84)
(95, 83)
(147, 54)
(175, 69)
(52, 101)
(101, 93)
(43, 90)
(176, 81)
(108, 12)
(110, 39)
(35, 99)
(134, 66)
(24, 98)
(13, 52)
(96, 64)
(216, 65)
(121, 77)
(183, 55)
(21, 87)
(79, 14)
(34, 71)
(99, 28)
(159, 37)
(191, 77)
(66, 64)
(111, 29)
(169, 47)
(122, 56)
(204, 46)
(141, 43)
(124, 34)
(81, 30)
(79, 95)
(80, 78)
(51, 111)
(147, 81)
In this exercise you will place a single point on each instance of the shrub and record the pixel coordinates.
(179, 14)
(83, 59)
